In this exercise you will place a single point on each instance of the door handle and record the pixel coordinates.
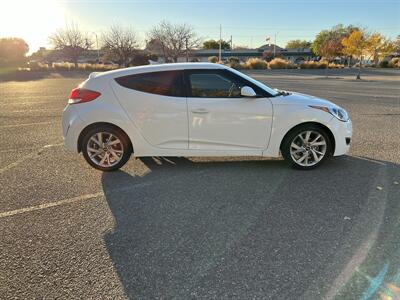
(200, 111)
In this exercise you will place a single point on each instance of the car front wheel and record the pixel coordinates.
(306, 147)
(106, 148)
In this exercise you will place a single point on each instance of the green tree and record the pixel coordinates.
(213, 44)
(213, 59)
(12, 50)
(298, 44)
(328, 43)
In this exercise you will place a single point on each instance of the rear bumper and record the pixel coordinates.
(72, 126)
(342, 132)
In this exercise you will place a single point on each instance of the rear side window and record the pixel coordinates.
(166, 83)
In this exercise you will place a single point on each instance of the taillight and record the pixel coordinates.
(79, 95)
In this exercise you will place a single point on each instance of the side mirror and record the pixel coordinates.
(247, 91)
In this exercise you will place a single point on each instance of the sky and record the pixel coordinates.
(248, 22)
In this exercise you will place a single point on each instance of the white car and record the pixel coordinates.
(198, 109)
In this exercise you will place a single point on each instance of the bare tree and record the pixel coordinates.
(175, 39)
(120, 44)
(71, 42)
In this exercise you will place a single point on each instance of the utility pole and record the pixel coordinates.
(231, 43)
(187, 51)
(275, 46)
(97, 46)
(220, 42)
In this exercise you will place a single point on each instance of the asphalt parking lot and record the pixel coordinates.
(208, 228)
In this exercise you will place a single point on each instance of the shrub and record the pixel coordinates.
(238, 66)
(323, 64)
(64, 66)
(38, 66)
(278, 63)
(234, 60)
(384, 64)
(235, 63)
(394, 62)
(309, 65)
(140, 59)
(256, 63)
(213, 59)
(335, 66)
(96, 67)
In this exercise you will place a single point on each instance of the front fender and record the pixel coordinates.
(286, 117)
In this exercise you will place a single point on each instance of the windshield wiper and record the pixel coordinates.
(282, 93)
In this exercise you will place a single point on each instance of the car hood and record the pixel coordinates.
(302, 99)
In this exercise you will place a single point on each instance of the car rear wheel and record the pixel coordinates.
(306, 147)
(106, 148)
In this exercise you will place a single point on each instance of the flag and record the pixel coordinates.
(268, 39)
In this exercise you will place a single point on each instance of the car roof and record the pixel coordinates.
(155, 68)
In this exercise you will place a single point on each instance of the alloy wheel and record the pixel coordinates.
(308, 148)
(105, 149)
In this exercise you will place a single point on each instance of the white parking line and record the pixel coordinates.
(370, 160)
(50, 204)
(25, 103)
(30, 155)
(16, 163)
(34, 110)
(71, 200)
(27, 124)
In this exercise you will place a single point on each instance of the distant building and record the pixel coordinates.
(297, 55)
(267, 52)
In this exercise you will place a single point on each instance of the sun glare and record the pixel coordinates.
(32, 20)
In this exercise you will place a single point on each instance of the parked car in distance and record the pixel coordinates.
(198, 109)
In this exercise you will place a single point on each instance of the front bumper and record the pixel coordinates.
(342, 132)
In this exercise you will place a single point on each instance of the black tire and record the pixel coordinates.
(291, 137)
(116, 132)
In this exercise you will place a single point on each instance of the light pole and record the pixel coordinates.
(220, 42)
(97, 46)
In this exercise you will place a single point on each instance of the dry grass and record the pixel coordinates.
(394, 62)
(256, 64)
(66, 66)
(213, 59)
(335, 66)
(314, 65)
(279, 63)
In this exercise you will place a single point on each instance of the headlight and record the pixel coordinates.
(335, 111)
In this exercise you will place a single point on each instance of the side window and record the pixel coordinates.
(166, 83)
(214, 84)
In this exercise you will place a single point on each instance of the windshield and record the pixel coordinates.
(256, 82)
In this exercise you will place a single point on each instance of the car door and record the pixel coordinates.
(156, 104)
(220, 118)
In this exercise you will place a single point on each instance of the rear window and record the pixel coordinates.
(166, 83)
